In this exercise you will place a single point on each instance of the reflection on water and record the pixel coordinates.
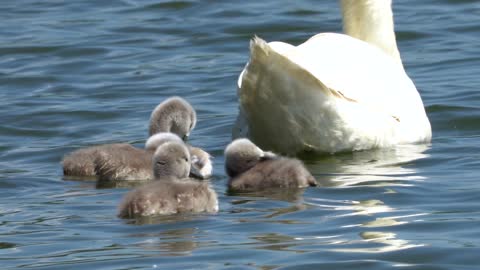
(165, 219)
(390, 221)
(284, 194)
(175, 242)
(353, 208)
(269, 215)
(82, 73)
(277, 242)
(387, 169)
(287, 210)
(371, 167)
(386, 241)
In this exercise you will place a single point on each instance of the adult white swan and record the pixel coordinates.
(334, 92)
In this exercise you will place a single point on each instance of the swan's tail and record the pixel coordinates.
(273, 58)
(274, 90)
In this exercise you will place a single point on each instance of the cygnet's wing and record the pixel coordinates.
(82, 162)
(124, 163)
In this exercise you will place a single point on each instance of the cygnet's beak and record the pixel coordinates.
(185, 137)
(267, 155)
(195, 173)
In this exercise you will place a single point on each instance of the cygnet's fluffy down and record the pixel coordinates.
(250, 169)
(201, 161)
(82, 162)
(172, 191)
(174, 115)
(136, 164)
(120, 161)
(128, 162)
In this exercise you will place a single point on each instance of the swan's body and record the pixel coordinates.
(334, 92)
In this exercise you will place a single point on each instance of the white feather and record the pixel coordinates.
(332, 93)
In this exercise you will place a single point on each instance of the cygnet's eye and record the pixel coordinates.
(161, 162)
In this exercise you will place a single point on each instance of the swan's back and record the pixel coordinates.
(333, 93)
(359, 71)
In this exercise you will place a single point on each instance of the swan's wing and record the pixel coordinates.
(287, 107)
(343, 68)
(359, 72)
(277, 56)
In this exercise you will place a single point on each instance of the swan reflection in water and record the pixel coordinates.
(385, 169)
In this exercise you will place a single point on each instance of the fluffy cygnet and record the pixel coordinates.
(173, 115)
(176, 115)
(129, 163)
(172, 192)
(116, 163)
(119, 161)
(81, 162)
(250, 168)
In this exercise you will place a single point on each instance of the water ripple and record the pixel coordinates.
(73, 74)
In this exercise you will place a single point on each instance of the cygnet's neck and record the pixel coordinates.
(372, 22)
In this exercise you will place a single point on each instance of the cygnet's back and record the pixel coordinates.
(82, 162)
(130, 163)
(169, 197)
(173, 115)
(172, 192)
(250, 168)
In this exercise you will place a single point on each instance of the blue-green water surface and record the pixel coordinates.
(80, 73)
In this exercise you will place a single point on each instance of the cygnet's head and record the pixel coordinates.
(174, 115)
(241, 155)
(160, 138)
(202, 162)
(171, 159)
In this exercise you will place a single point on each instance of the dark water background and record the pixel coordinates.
(80, 73)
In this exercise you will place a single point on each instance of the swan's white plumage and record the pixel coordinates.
(332, 93)
(372, 22)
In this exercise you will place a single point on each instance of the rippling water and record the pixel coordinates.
(81, 73)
